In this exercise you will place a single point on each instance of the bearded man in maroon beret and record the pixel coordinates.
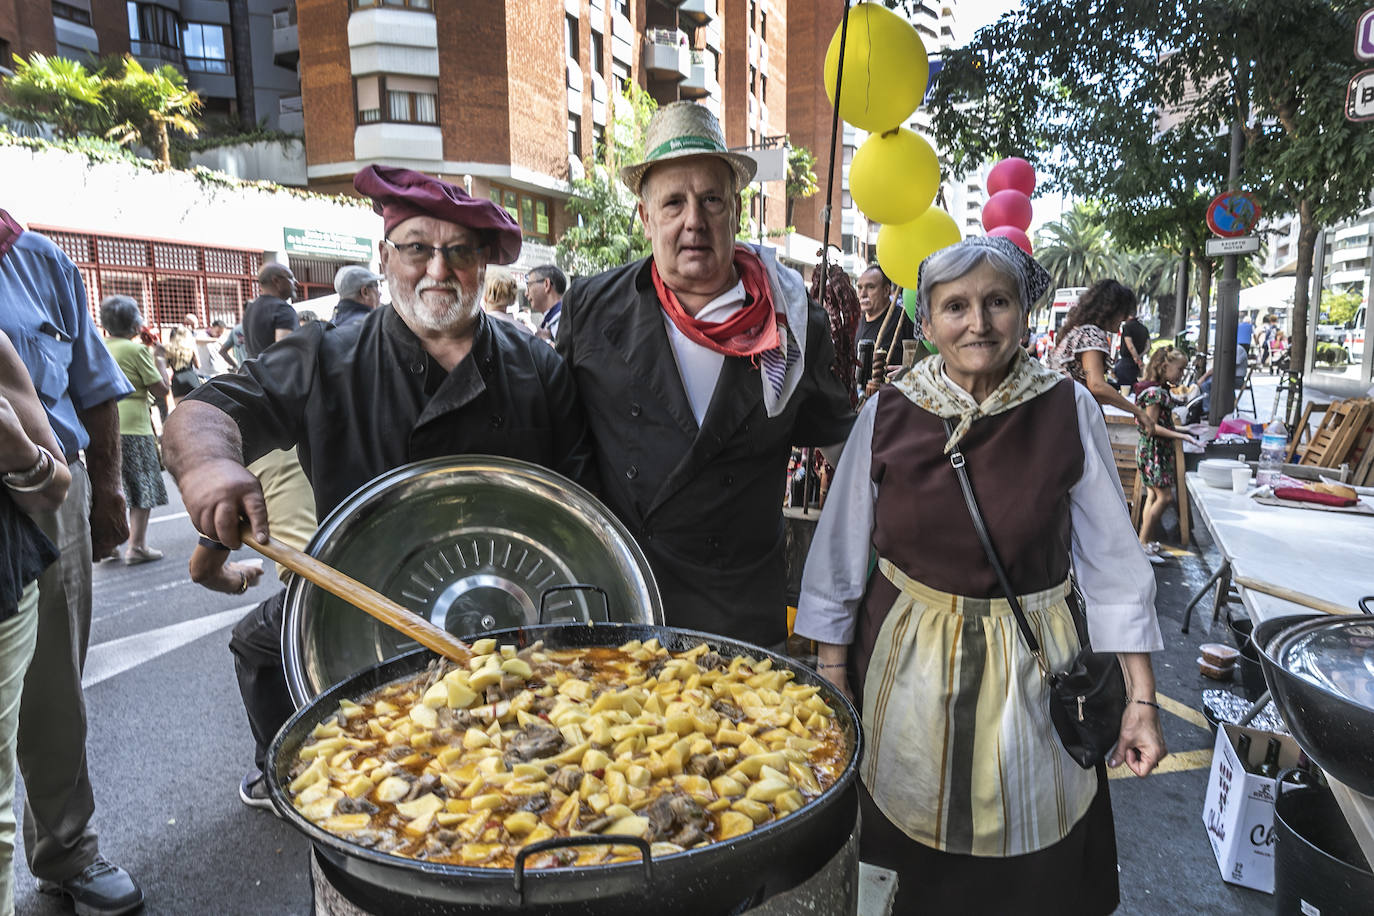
(429, 376)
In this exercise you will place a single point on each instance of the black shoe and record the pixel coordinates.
(253, 791)
(101, 889)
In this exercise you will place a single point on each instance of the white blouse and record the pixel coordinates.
(1118, 583)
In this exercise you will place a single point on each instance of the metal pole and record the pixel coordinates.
(1367, 358)
(1227, 304)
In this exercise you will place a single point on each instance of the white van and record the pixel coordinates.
(1354, 335)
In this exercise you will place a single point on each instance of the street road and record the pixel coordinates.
(169, 743)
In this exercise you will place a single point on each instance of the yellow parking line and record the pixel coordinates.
(1186, 713)
(1200, 759)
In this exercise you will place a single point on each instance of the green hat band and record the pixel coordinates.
(706, 144)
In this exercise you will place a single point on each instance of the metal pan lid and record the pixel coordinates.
(471, 544)
(1333, 653)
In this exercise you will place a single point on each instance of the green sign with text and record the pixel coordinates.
(327, 244)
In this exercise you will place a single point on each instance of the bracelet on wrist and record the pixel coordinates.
(243, 584)
(830, 664)
(1147, 703)
(36, 478)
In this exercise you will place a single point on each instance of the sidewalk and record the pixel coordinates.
(1166, 861)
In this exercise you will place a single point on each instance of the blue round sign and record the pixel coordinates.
(1233, 213)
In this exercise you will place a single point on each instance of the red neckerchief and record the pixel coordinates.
(750, 331)
(9, 231)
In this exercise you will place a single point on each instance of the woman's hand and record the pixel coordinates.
(1141, 743)
(1147, 425)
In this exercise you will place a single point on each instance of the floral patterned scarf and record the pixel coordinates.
(928, 387)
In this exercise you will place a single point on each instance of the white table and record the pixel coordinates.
(1328, 555)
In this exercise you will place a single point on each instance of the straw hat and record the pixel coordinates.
(680, 130)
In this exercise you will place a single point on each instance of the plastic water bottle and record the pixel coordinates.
(1273, 451)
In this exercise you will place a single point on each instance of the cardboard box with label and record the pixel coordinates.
(1239, 812)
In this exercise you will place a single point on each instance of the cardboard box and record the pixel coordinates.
(1239, 812)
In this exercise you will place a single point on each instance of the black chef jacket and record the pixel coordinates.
(704, 503)
(365, 398)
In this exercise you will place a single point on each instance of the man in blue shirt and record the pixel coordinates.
(545, 285)
(45, 314)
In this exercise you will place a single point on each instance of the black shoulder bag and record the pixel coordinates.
(1088, 698)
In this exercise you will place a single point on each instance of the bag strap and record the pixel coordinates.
(956, 460)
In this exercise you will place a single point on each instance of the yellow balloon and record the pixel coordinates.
(903, 246)
(885, 69)
(894, 176)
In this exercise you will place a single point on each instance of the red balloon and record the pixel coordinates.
(1008, 208)
(1013, 235)
(1015, 174)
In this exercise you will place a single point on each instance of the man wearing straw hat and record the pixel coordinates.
(700, 368)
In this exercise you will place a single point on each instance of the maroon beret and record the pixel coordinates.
(399, 194)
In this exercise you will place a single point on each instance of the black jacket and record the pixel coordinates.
(366, 398)
(705, 504)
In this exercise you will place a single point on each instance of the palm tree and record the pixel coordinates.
(1075, 249)
(1150, 273)
(55, 91)
(148, 104)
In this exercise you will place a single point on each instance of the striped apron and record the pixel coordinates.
(961, 755)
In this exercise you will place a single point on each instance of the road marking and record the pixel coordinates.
(116, 656)
(1186, 713)
(1200, 759)
(168, 518)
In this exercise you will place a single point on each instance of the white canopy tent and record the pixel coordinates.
(1274, 295)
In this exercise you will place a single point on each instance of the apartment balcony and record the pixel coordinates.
(666, 55)
(701, 82)
(1347, 255)
(286, 43)
(698, 12)
(386, 142)
(1356, 275)
(712, 33)
(291, 115)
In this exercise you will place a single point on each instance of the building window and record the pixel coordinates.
(153, 28)
(753, 14)
(598, 140)
(575, 134)
(623, 8)
(396, 99)
(763, 24)
(753, 81)
(68, 12)
(597, 48)
(529, 210)
(621, 74)
(763, 87)
(205, 47)
(570, 36)
(425, 5)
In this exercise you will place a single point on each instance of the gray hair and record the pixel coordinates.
(120, 317)
(957, 260)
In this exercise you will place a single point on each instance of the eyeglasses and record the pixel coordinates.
(417, 254)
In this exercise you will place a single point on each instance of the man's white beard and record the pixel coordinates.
(410, 303)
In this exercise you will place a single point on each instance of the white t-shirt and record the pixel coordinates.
(699, 366)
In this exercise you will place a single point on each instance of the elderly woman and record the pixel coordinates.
(141, 468)
(966, 790)
(500, 295)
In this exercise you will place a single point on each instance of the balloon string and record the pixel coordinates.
(834, 133)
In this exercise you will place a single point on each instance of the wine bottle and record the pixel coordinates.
(1243, 752)
(1270, 767)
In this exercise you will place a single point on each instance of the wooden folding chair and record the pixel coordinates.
(1343, 424)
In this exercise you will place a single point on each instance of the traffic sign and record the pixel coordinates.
(1233, 213)
(1359, 98)
(1241, 244)
(1364, 36)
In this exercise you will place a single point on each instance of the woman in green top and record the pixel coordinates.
(142, 471)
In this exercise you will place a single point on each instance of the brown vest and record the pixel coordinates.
(1021, 463)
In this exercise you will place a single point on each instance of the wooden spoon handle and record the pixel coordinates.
(1288, 594)
(366, 599)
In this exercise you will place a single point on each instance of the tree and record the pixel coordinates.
(55, 91)
(1341, 307)
(801, 177)
(1075, 248)
(1128, 103)
(147, 104)
(605, 235)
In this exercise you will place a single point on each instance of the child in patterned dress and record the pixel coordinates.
(1155, 454)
